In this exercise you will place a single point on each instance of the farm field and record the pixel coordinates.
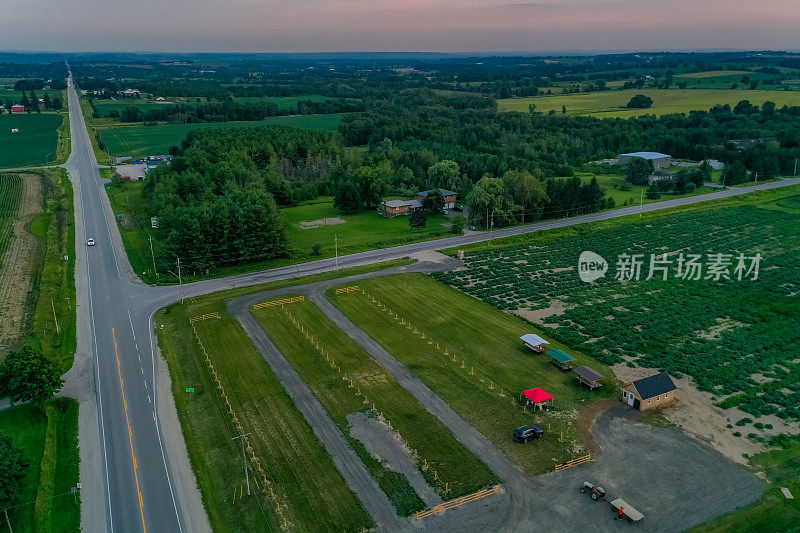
(49, 438)
(104, 107)
(471, 356)
(284, 102)
(609, 104)
(310, 498)
(447, 467)
(215, 460)
(729, 336)
(35, 144)
(140, 141)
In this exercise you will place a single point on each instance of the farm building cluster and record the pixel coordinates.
(137, 170)
(393, 208)
(650, 392)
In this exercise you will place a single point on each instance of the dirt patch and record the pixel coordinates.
(694, 411)
(537, 316)
(715, 332)
(16, 273)
(310, 224)
(384, 445)
(587, 416)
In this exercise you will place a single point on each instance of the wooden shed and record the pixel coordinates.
(561, 360)
(534, 343)
(589, 377)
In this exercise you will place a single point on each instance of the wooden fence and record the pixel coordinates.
(343, 290)
(282, 301)
(203, 317)
(457, 502)
(574, 462)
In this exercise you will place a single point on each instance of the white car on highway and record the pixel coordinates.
(90, 242)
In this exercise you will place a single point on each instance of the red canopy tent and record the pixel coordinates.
(538, 397)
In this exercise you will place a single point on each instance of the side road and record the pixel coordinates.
(687, 470)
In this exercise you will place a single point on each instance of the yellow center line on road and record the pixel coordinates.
(130, 431)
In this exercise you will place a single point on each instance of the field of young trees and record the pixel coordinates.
(720, 323)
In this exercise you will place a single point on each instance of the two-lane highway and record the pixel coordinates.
(137, 489)
(135, 475)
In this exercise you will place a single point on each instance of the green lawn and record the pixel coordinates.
(35, 144)
(609, 104)
(458, 471)
(636, 195)
(139, 141)
(360, 231)
(316, 496)
(46, 503)
(490, 361)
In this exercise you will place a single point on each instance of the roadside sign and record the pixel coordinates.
(189, 389)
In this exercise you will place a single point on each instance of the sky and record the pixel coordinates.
(399, 25)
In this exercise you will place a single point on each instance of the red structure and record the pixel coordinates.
(17, 108)
(538, 397)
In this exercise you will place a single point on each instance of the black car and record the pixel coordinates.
(526, 433)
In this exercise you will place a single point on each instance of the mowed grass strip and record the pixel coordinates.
(485, 341)
(314, 495)
(35, 144)
(453, 463)
(609, 104)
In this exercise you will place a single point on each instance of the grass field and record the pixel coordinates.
(35, 144)
(284, 102)
(728, 335)
(104, 107)
(637, 193)
(139, 141)
(49, 439)
(360, 232)
(713, 74)
(609, 104)
(458, 472)
(299, 461)
(491, 366)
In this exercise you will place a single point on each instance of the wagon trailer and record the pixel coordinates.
(620, 506)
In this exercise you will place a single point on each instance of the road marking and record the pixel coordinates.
(132, 331)
(96, 366)
(130, 431)
(155, 420)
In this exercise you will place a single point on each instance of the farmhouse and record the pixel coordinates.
(17, 108)
(392, 208)
(534, 343)
(651, 392)
(449, 197)
(659, 160)
(537, 397)
(129, 93)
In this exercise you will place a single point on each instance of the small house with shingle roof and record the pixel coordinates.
(651, 392)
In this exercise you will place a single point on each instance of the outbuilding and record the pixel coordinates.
(534, 343)
(17, 108)
(659, 160)
(651, 392)
(537, 397)
(589, 377)
(561, 360)
(449, 197)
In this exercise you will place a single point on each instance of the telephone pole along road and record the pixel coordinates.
(134, 467)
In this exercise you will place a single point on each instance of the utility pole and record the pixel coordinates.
(53, 305)
(756, 180)
(492, 224)
(8, 521)
(795, 167)
(641, 202)
(153, 255)
(336, 251)
(180, 283)
(244, 458)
